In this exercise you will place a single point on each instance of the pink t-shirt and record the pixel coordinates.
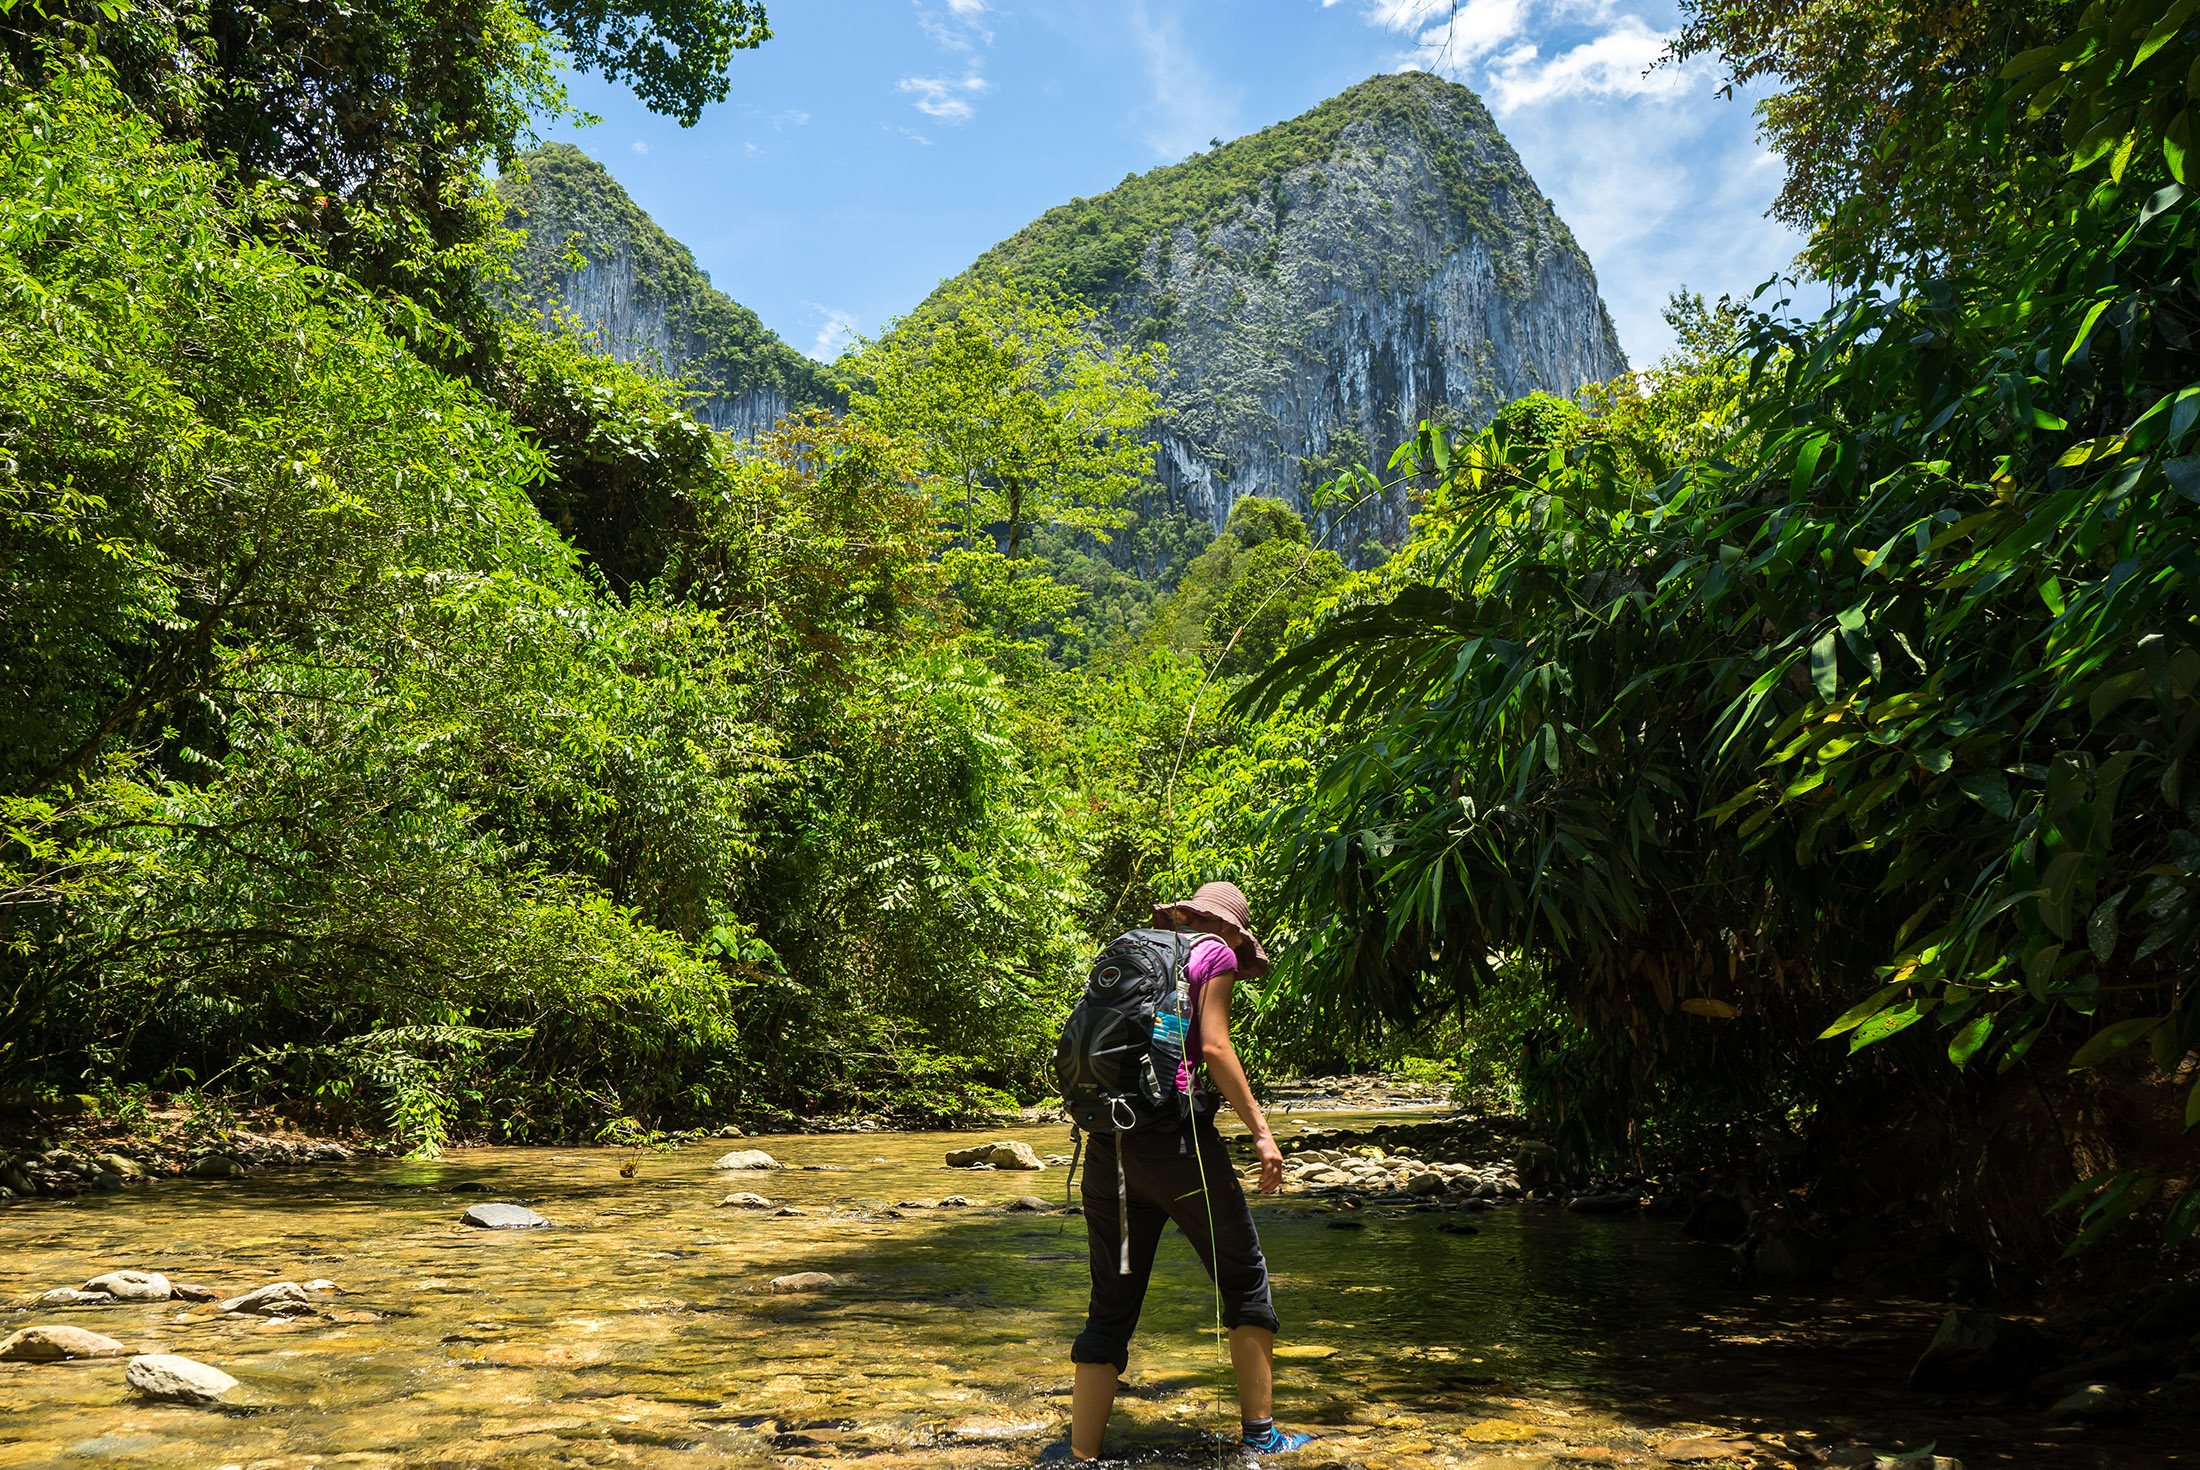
(1211, 956)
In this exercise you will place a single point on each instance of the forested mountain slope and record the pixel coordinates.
(641, 293)
(1326, 284)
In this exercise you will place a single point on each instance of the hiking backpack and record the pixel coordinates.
(1120, 1051)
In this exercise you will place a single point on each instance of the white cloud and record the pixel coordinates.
(1187, 107)
(951, 99)
(839, 328)
(1619, 63)
(945, 98)
(750, 149)
(640, 146)
(791, 118)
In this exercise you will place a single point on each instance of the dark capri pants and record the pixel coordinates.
(1164, 1185)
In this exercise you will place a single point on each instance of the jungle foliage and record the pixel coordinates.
(1860, 700)
(505, 752)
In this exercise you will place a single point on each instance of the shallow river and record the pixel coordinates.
(638, 1331)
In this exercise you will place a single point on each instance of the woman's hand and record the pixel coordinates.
(1271, 1162)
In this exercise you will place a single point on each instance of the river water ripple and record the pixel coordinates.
(639, 1330)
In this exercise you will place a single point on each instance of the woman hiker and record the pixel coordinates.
(1165, 1183)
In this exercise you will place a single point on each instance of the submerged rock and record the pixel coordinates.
(1976, 1348)
(956, 1202)
(184, 1291)
(1028, 1204)
(177, 1380)
(2090, 1401)
(52, 1344)
(745, 1201)
(747, 1158)
(69, 1296)
(216, 1166)
(470, 1186)
(501, 1217)
(803, 1281)
(132, 1286)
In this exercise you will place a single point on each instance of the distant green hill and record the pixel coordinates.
(640, 292)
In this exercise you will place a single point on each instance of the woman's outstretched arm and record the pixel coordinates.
(1229, 1074)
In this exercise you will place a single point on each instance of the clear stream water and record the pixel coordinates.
(638, 1331)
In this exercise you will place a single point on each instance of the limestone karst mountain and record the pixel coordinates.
(1326, 284)
(640, 292)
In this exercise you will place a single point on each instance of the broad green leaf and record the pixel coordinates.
(1888, 1022)
(1990, 789)
(2111, 1040)
(1824, 673)
(1863, 1010)
(1975, 1034)
(2100, 926)
(2178, 1224)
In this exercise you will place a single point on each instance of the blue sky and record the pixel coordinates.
(873, 147)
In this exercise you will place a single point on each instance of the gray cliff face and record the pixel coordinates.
(633, 324)
(638, 295)
(1325, 285)
(1323, 337)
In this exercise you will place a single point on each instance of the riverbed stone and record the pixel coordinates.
(1027, 1204)
(177, 1380)
(276, 1299)
(132, 1286)
(186, 1291)
(1687, 1451)
(956, 1202)
(1004, 1153)
(790, 1210)
(2090, 1401)
(802, 1281)
(501, 1217)
(745, 1201)
(1976, 1348)
(919, 1204)
(746, 1158)
(53, 1343)
(216, 1166)
(69, 1296)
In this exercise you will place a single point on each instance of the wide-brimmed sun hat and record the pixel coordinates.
(1220, 909)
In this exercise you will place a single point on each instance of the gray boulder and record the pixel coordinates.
(276, 1299)
(184, 1291)
(1028, 1204)
(745, 1201)
(52, 1344)
(216, 1166)
(132, 1286)
(746, 1158)
(177, 1380)
(502, 1217)
(1002, 1154)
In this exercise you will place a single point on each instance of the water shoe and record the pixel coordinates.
(1274, 1442)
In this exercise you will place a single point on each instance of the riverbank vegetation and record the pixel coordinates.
(1781, 761)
